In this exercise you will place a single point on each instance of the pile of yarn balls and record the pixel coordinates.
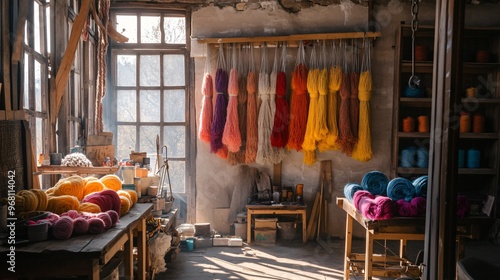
(379, 198)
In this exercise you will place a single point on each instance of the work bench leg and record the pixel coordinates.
(368, 255)
(348, 245)
(128, 258)
(304, 227)
(141, 248)
(402, 250)
(94, 269)
(249, 227)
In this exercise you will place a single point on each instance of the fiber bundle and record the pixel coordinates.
(51, 219)
(70, 186)
(279, 136)
(420, 185)
(80, 226)
(93, 186)
(124, 194)
(71, 213)
(30, 201)
(363, 148)
(231, 136)
(299, 103)
(206, 114)
(220, 113)
(125, 205)
(114, 216)
(42, 199)
(252, 133)
(89, 207)
(380, 208)
(63, 228)
(133, 196)
(63, 203)
(346, 138)
(277, 154)
(419, 204)
(309, 144)
(400, 188)
(375, 182)
(111, 182)
(334, 83)
(414, 208)
(88, 179)
(107, 200)
(104, 216)
(96, 226)
(361, 195)
(353, 97)
(321, 128)
(350, 189)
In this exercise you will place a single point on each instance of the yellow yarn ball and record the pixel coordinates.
(63, 203)
(89, 207)
(93, 186)
(133, 196)
(42, 199)
(112, 182)
(125, 205)
(70, 186)
(30, 200)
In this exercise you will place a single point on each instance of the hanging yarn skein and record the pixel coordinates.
(206, 114)
(264, 148)
(346, 138)
(242, 105)
(231, 136)
(252, 133)
(309, 145)
(279, 136)
(363, 148)
(220, 113)
(321, 129)
(353, 101)
(277, 154)
(299, 102)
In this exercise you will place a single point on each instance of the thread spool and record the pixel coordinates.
(408, 157)
(421, 53)
(299, 190)
(461, 158)
(473, 158)
(408, 124)
(465, 123)
(422, 158)
(470, 92)
(478, 123)
(423, 124)
(413, 92)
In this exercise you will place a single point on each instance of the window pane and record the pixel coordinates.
(177, 171)
(125, 141)
(175, 30)
(126, 70)
(150, 70)
(26, 79)
(174, 70)
(150, 29)
(127, 26)
(175, 105)
(150, 106)
(126, 106)
(38, 86)
(39, 136)
(148, 139)
(174, 138)
(36, 26)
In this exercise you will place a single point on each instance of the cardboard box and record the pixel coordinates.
(264, 235)
(101, 139)
(265, 223)
(97, 154)
(138, 156)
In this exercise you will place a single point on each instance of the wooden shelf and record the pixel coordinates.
(413, 170)
(414, 134)
(477, 171)
(479, 136)
(58, 169)
(481, 100)
(416, 101)
(290, 38)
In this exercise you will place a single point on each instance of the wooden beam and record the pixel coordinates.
(6, 55)
(18, 39)
(64, 69)
(113, 34)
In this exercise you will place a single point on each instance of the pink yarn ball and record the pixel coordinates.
(80, 226)
(114, 216)
(73, 214)
(63, 228)
(106, 219)
(96, 226)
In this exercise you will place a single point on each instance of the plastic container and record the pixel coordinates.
(287, 230)
(38, 232)
(190, 244)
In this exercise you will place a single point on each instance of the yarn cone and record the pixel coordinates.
(298, 108)
(334, 83)
(231, 136)
(220, 114)
(309, 145)
(206, 114)
(346, 138)
(252, 133)
(363, 149)
(279, 136)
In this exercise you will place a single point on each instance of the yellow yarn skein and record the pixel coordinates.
(133, 196)
(30, 200)
(42, 199)
(93, 186)
(89, 207)
(70, 186)
(112, 182)
(63, 203)
(125, 205)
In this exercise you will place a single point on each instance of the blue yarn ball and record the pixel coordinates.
(350, 189)
(375, 182)
(420, 185)
(400, 188)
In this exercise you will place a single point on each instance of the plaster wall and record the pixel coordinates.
(216, 179)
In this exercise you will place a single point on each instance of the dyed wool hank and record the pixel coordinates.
(220, 113)
(252, 133)
(231, 136)
(206, 114)
(298, 108)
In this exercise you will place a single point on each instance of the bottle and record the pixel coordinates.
(276, 194)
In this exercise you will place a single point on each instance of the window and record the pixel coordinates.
(150, 95)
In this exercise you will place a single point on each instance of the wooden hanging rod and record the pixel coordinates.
(290, 38)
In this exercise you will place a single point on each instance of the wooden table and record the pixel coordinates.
(276, 210)
(83, 255)
(398, 228)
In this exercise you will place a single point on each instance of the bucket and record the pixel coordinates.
(190, 244)
(287, 230)
(38, 232)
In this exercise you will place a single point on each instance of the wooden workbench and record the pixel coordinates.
(84, 255)
(398, 228)
(276, 210)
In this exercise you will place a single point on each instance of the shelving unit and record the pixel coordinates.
(475, 183)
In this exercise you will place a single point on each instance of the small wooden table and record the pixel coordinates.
(83, 255)
(398, 228)
(276, 210)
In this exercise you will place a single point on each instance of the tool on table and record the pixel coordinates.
(164, 172)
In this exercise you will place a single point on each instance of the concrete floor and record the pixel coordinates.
(291, 260)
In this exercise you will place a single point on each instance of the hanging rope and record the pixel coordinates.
(334, 83)
(219, 121)
(264, 149)
(309, 145)
(252, 133)
(102, 50)
(299, 103)
(279, 136)
(206, 114)
(353, 101)
(321, 129)
(231, 136)
(363, 149)
(346, 138)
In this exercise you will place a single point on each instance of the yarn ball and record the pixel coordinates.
(93, 186)
(112, 182)
(350, 189)
(51, 219)
(70, 186)
(107, 200)
(400, 188)
(420, 185)
(133, 196)
(114, 216)
(106, 219)
(63, 228)
(375, 182)
(89, 179)
(125, 205)
(419, 204)
(124, 194)
(63, 203)
(73, 214)
(30, 201)
(89, 207)
(42, 199)
(405, 208)
(96, 226)
(80, 226)
(359, 195)
(379, 208)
